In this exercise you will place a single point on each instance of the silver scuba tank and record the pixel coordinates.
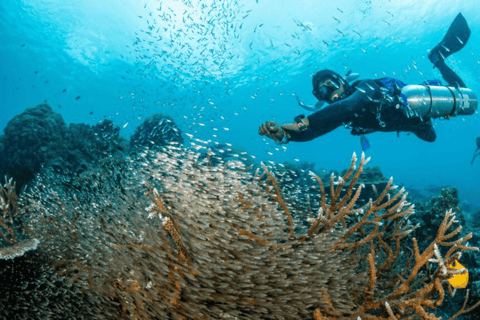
(438, 101)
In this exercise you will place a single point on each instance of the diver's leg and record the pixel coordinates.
(452, 78)
(425, 131)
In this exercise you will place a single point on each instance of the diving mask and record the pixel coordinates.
(328, 91)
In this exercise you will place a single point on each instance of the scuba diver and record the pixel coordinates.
(385, 104)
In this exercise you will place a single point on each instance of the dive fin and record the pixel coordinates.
(425, 131)
(455, 39)
(364, 143)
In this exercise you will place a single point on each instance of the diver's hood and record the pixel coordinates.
(326, 74)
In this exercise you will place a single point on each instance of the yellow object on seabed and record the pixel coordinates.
(458, 281)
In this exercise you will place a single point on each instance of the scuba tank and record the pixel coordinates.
(438, 101)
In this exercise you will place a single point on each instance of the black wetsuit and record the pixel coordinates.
(370, 107)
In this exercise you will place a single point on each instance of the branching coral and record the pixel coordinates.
(220, 242)
(413, 291)
(374, 232)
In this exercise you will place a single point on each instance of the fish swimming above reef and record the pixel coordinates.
(171, 234)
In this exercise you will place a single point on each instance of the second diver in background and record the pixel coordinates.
(369, 105)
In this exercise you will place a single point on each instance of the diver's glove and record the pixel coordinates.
(274, 131)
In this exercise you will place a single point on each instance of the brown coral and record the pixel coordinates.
(224, 246)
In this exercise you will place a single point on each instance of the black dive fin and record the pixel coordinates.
(455, 39)
(425, 131)
(457, 35)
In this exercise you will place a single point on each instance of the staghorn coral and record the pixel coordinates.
(370, 175)
(429, 214)
(220, 242)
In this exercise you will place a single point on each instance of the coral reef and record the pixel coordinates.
(39, 137)
(14, 236)
(370, 175)
(31, 140)
(2, 157)
(298, 177)
(217, 153)
(156, 131)
(219, 241)
(431, 213)
(85, 145)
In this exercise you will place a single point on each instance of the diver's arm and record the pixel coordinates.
(317, 124)
(452, 78)
(334, 115)
(325, 120)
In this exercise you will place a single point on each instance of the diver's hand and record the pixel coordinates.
(272, 130)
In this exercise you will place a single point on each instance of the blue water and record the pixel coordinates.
(221, 68)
